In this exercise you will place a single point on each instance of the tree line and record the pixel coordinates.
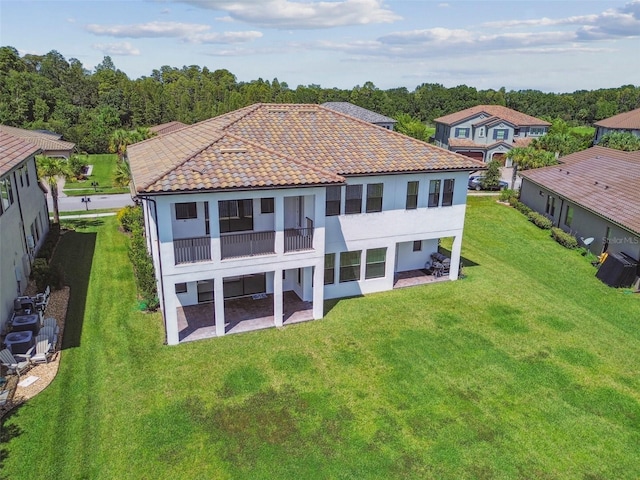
(52, 93)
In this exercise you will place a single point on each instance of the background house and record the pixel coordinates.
(50, 143)
(167, 127)
(284, 206)
(623, 122)
(592, 194)
(362, 113)
(24, 220)
(487, 132)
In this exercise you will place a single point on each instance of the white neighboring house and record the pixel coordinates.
(24, 220)
(290, 201)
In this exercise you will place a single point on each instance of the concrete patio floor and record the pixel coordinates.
(196, 322)
(412, 278)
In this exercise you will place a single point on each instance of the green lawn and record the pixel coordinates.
(104, 166)
(527, 368)
(584, 130)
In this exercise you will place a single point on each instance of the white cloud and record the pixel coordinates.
(147, 30)
(122, 48)
(165, 11)
(288, 14)
(188, 32)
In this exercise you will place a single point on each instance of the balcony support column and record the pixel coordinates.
(279, 224)
(218, 305)
(278, 298)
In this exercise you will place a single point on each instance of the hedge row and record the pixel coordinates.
(539, 221)
(563, 238)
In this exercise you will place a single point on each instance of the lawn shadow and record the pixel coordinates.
(75, 254)
(82, 223)
(464, 260)
(7, 433)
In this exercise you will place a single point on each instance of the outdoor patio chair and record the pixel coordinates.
(43, 350)
(51, 322)
(51, 334)
(15, 365)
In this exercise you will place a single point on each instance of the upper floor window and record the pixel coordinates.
(267, 205)
(353, 203)
(332, 203)
(185, 211)
(434, 193)
(447, 194)
(462, 132)
(374, 197)
(516, 132)
(500, 134)
(412, 195)
(235, 215)
(481, 132)
(536, 130)
(6, 193)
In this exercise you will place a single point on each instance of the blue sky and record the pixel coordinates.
(558, 46)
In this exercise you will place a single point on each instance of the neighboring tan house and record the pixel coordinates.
(275, 208)
(487, 132)
(24, 220)
(167, 127)
(50, 143)
(362, 113)
(595, 194)
(628, 122)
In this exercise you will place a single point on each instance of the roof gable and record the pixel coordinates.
(516, 118)
(627, 121)
(46, 141)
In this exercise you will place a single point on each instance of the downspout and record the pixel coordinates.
(155, 211)
(560, 215)
(24, 235)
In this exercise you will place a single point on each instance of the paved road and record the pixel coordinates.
(70, 204)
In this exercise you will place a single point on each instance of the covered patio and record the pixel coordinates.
(196, 322)
(411, 278)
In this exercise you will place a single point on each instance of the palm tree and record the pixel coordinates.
(524, 158)
(118, 142)
(122, 175)
(51, 169)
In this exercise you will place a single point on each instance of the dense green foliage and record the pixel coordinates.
(620, 141)
(105, 173)
(50, 92)
(491, 177)
(539, 220)
(563, 238)
(454, 380)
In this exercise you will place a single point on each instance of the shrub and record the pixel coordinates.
(563, 238)
(521, 207)
(539, 221)
(129, 217)
(78, 165)
(49, 245)
(44, 274)
(143, 268)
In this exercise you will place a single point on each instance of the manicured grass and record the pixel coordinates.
(104, 166)
(584, 130)
(526, 368)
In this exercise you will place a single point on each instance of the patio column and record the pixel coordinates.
(171, 315)
(218, 305)
(318, 290)
(279, 225)
(455, 257)
(214, 229)
(278, 307)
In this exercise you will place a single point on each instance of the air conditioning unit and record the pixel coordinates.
(31, 242)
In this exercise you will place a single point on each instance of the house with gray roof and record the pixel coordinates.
(362, 113)
(487, 132)
(50, 143)
(255, 217)
(591, 194)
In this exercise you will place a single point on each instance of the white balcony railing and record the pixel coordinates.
(191, 250)
(247, 244)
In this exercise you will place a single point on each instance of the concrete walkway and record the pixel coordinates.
(87, 215)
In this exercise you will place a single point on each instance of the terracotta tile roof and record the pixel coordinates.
(287, 144)
(13, 151)
(466, 143)
(600, 152)
(607, 186)
(167, 127)
(46, 141)
(512, 116)
(358, 112)
(522, 141)
(626, 121)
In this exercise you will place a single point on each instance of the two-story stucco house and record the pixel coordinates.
(285, 206)
(24, 221)
(487, 132)
(628, 122)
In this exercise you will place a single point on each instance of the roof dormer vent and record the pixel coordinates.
(233, 150)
